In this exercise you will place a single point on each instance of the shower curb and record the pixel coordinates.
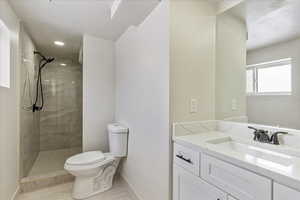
(30, 184)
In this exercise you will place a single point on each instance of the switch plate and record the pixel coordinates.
(233, 104)
(193, 105)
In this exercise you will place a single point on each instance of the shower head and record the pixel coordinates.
(49, 60)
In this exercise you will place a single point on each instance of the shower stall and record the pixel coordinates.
(51, 111)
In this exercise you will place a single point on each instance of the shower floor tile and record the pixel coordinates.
(51, 161)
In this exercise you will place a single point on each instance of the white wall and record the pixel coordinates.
(227, 4)
(142, 103)
(9, 118)
(230, 67)
(192, 50)
(277, 110)
(98, 92)
(202, 68)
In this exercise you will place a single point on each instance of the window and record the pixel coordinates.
(271, 78)
(4, 56)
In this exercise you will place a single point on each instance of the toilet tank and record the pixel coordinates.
(118, 139)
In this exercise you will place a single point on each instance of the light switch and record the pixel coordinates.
(193, 105)
(233, 104)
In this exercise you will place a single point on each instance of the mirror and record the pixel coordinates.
(258, 63)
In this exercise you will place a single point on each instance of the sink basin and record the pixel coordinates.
(268, 157)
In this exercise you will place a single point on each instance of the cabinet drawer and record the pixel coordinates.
(187, 158)
(238, 182)
(282, 192)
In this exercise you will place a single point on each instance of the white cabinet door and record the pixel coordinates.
(282, 192)
(236, 181)
(187, 186)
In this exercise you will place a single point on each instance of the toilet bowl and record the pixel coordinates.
(94, 171)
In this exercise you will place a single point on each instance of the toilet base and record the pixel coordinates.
(86, 187)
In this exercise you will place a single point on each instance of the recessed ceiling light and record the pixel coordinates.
(63, 64)
(59, 43)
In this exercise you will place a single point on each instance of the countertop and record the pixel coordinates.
(287, 173)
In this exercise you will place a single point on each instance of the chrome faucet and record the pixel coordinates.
(263, 136)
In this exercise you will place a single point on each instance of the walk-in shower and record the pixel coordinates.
(51, 114)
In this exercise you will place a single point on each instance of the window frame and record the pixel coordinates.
(275, 63)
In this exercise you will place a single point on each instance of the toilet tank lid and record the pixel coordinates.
(117, 128)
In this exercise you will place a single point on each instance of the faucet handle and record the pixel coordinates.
(274, 137)
(251, 127)
(258, 130)
(256, 133)
(260, 135)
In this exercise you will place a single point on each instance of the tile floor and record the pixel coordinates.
(50, 161)
(120, 191)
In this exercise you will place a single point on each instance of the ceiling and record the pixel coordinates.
(268, 21)
(272, 21)
(67, 20)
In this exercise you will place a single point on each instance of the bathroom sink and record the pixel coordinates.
(264, 154)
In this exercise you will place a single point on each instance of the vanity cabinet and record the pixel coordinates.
(187, 186)
(198, 176)
(282, 192)
(241, 183)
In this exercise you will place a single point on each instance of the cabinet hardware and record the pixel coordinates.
(183, 158)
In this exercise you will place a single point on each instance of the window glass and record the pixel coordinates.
(274, 79)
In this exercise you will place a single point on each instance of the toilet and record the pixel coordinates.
(94, 171)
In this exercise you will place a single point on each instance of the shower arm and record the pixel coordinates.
(48, 60)
(41, 55)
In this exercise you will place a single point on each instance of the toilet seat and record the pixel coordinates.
(88, 160)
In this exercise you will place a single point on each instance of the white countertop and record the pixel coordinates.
(287, 173)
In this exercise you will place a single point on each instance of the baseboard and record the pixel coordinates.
(131, 187)
(14, 197)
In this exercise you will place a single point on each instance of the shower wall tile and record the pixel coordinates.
(30, 140)
(61, 119)
(29, 121)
